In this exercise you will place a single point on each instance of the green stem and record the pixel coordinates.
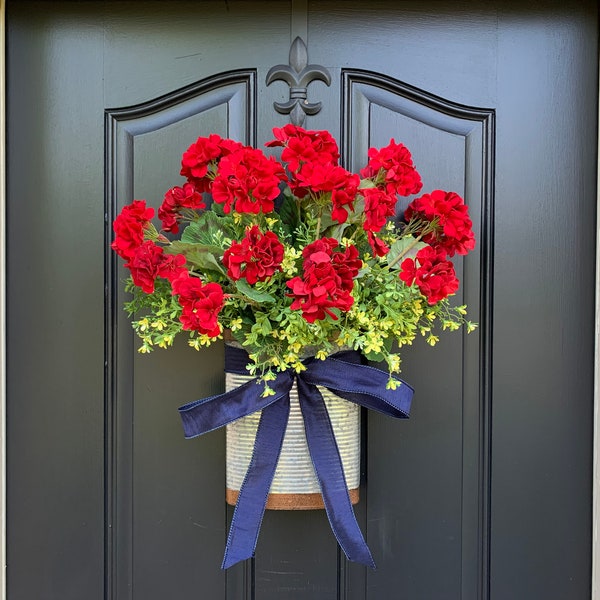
(406, 250)
(353, 233)
(243, 298)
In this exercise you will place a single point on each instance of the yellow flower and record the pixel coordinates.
(269, 376)
(432, 340)
(394, 363)
(268, 391)
(321, 354)
(373, 344)
(145, 348)
(235, 324)
(290, 357)
(288, 264)
(392, 384)
(194, 343)
(205, 340)
(166, 341)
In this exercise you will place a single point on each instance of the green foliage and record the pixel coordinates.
(199, 257)
(253, 293)
(385, 316)
(406, 247)
(156, 319)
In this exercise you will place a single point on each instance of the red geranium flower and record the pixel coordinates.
(454, 232)
(175, 199)
(129, 228)
(248, 182)
(317, 178)
(302, 146)
(379, 205)
(201, 304)
(327, 280)
(435, 277)
(203, 153)
(255, 258)
(379, 247)
(347, 265)
(399, 172)
(149, 262)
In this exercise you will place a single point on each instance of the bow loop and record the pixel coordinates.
(341, 373)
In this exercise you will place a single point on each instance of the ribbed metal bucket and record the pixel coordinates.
(295, 485)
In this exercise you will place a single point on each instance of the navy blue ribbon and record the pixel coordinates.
(341, 373)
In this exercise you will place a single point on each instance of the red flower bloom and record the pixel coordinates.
(315, 177)
(435, 277)
(149, 262)
(379, 205)
(201, 304)
(399, 172)
(248, 181)
(172, 266)
(347, 264)
(379, 247)
(327, 280)
(129, 228)
(205, 151)
(256, 258)
(175, 199)
(454, 231)
(302, 146)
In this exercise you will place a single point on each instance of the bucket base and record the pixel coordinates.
(292, 501)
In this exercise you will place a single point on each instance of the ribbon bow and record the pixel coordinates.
(341, 373)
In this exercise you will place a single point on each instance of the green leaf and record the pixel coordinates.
(366, 183)
(407, 247)
(288, 213)
(375, 356)
(217, 209)
(201, 256)
(245, 288)
(209, 229)
(336, 231)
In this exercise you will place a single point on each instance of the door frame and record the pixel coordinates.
(596, 452)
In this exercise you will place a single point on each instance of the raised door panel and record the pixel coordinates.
(427, 481)
(165, 525)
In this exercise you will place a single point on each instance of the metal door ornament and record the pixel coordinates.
(298, 75)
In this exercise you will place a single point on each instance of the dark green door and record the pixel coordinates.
(486, 492)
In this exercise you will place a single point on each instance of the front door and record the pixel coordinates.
(486, 491)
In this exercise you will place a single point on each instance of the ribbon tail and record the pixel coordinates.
(328, 467)
(250, 507)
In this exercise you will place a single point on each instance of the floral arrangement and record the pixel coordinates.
(294, 254)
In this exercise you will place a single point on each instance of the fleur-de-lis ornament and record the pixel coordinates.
(298, 75)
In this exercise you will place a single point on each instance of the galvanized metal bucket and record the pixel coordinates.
(295, 485)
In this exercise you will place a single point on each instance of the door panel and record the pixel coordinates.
(438, 455)
(485, 492)
(147, 508)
